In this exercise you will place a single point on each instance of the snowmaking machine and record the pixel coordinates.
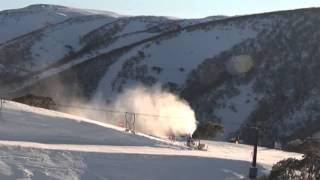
(195, 144)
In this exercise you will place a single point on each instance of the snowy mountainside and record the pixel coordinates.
(238, 71)
(268, 92)
(168, 59)
(41, 144)
(18, 22)
(49, 45)
(279, 93)
(76, 40)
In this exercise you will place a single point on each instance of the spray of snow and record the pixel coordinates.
(157, 112)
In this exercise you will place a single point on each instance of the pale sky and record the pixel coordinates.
(174, 8)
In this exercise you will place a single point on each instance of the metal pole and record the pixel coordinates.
(127, 122)
(133, 123)
(254, 159)
(2, 101)
(253, 169)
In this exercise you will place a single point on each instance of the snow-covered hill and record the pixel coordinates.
(18, 22)
(239, 71)
(41, 144)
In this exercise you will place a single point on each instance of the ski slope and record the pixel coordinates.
(41, 144)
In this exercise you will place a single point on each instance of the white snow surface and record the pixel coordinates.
(41, 144)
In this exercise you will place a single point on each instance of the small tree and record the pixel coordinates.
(141, 54)
(157, 69)
(307, 168)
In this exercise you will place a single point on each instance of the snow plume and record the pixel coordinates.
(157, 112)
